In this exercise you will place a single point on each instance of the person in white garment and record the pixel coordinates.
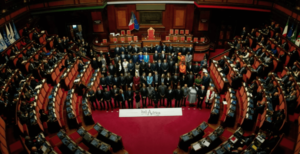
(209, 97)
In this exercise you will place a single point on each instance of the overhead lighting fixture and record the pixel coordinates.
(297, 7)
(203, 20)
(97, 21)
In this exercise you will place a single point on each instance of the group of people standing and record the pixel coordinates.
(131, 77)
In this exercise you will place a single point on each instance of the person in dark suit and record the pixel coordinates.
(25, 31)
(131, 67)
(144, 79)
(162, 93)
(165, 48)
(115, 94)
(196, 69)
(92, 98)
(201, 93)
(158, 48)
(111, 69)
(183, 51)
(116, 81)
(183, 81)
(243, 70)
(109, 80)
(122, 81)
(135, 58)
(170, 96)
(143, 67)
(136, 49)
(144, 94)
(156, 79)
(175, 79)
(155, 56)
(205, 80)
(159, 65)
(129, 97)
(153, 67)
(189, 68)
(165, 67)
(122, 98)
(190, 79)
(170, 49)
(107, 97)
(163, 56)
(129, 80)
(178, 96)
(175, 69)
(94, 64)
(99, 97)
(190, 49)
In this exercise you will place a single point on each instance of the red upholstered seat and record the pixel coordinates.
(83, 146)
(74, 136)
(93, 132)
(55, 140)
(56, 149)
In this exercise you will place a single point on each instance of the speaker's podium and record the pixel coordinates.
(151, 38)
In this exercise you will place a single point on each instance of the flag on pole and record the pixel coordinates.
(11, 32)
(293, 38)
(3, 45)
(286, 28)
(15, 32)
(133, 24)
(5, 38)
(9, 36)
(298, 40)
(290, 33)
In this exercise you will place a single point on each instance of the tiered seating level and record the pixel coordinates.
(3, 144)
(71, 73)
(72, 108)
(217, 77)
(297, 144)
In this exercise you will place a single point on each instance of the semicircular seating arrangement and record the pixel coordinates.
(254, 101)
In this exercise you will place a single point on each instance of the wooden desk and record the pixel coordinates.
(111, 38)
(178, 44)
(112, 46)
(149, 42)
(179, 36)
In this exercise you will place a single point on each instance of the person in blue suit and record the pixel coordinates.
(146, 57)
(205, 80)
(158, 48)
(135, 58)
(149, 79)
(141, 57)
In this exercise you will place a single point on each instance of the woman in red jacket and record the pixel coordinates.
(136, 82)
(23, 43)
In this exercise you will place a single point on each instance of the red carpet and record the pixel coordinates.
(151, 135)
(15, 146)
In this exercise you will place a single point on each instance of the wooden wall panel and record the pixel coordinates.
(36, 6)
(121, 18)
(179, 18)
(58, 3)
(264, 3)
(282, 9)
(87, 1)
(189, 17)
(20, 11)
(203, 26)
(241, 1)
(96, 15)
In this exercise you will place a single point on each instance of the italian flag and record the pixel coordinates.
(285, 29)
(298, 40)
(293, 38)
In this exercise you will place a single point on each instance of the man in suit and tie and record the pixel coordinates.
(131, 67)
(109, 80)
(170, 49)
(175, 80)
(155, 56)
(189, 68)
(143, 66)
(121, 98)
(116, 81)
(158, 48)
(175, 69)
(205, 79)
(159, 69)
(122, 56)
(163, 56)
(165, 67)
(99, 97)
(170, 96)
(129, 97)
(162, 93)
(117, 51)
(129, 80)
(165, 48)
(145, 49)
(129, 48)
(178, 49)
(128, 56)
(196, 69)
(92, 98)
(190, 49)
(169, 57)
(185, 92)
(111, 69)
(178, 96)
(136, 49)
(107, 97)
(135, 58)
(156, 79)
(190, 79)
(154, 67)
(183, 51)
(115, 94)
(171, 65)
(201, 94)
(188, 58)
(243, 33)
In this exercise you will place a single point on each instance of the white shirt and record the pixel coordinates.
(125, 64)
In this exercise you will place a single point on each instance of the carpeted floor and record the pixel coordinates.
(151, 135)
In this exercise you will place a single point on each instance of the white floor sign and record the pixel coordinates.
(150, 112)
